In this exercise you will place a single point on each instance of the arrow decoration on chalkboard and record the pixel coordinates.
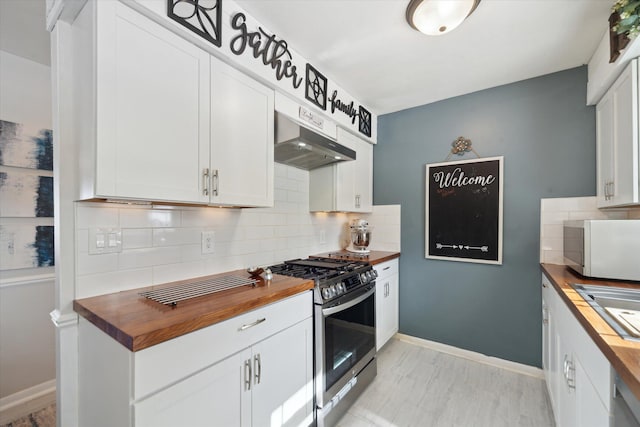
(467, 247)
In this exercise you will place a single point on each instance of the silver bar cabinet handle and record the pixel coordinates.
(252, 324)
(215, 182)
(257, 369)
(205, 181)
(247, 374)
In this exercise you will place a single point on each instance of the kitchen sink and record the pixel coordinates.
(619, 307)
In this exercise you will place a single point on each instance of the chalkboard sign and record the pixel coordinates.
(464, 210)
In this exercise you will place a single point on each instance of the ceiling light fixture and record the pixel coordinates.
(436, 17)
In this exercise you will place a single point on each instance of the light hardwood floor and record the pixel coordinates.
(416, 386)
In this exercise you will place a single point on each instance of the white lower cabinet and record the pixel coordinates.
(579, 377)
(222, 375)
(387, 287)
(213, 397)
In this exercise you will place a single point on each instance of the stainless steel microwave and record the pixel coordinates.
(603, 248)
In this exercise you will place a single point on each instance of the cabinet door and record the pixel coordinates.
(217, 396)
(565, 393)
(364, 177)
(152, 109)
(355, 178)
(242, 138)
(618, 161)
(604, 150)
(381, 312)
(346, 175)
(387, 287)
(283, 378)
(386, 309)
(590, 411)
(625, 128)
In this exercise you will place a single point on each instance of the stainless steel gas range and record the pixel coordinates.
(345, 332)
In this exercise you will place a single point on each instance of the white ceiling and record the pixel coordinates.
(367, 47)
(22, 30)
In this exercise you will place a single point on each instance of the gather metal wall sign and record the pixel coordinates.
(203, 17)
(272, 52)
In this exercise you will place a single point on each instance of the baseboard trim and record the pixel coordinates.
(508, 365)
(24, 402)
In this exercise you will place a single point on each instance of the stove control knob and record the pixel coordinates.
(326, 294)
(374, 273)
(364, 277)
(340, 289)
(369, 276)
(332, 291)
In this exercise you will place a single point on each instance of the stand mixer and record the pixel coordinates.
(360, 236)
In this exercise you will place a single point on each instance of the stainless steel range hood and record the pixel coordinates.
(305, 149)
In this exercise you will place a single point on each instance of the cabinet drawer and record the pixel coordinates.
(387, 269)
(171, 361)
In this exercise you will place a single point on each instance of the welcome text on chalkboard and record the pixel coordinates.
(464, 210)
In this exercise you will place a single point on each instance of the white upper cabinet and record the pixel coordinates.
(159, 119)
(618, 159)
(345, 186)
(241, 138)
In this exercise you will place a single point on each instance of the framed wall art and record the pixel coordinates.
(464, 202)
(26, 196)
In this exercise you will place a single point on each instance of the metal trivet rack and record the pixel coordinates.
(173, 294)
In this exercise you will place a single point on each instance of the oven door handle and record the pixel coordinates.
(332, 310)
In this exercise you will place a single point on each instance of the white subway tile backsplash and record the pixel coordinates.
(285, 183)
(135, 238)
(82, 241)
(90, 215)
(554, 257)
(148, 218)
(96, 263)
(162, 245)
(148, 257)
(550, 217)
(593, 214)
(176, 236)
(259, 232)
(112, 281)
(179, 271)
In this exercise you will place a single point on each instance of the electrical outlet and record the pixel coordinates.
(323, 237)
(208, 242)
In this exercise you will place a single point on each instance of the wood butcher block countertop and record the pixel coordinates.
(375, 257)
(624, 355)
(137, 322)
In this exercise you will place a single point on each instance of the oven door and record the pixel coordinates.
(346, 341)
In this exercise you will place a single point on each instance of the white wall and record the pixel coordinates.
(27, 341)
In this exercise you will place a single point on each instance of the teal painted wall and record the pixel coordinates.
(546, 134)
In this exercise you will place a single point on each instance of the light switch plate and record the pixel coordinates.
(105, 240)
